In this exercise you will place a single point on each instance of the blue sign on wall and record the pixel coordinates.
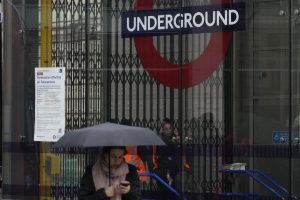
(185, 20)
(280, 137)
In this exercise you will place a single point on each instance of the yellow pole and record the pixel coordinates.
(46, 33)
(45, 61)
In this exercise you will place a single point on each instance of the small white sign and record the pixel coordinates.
(49, 104)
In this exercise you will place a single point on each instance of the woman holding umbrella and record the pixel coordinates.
(110, 178)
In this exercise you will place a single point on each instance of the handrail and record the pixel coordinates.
(246, 195)
(264, 175)
(153, 175)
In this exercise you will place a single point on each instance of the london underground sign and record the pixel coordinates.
(221, 19)
(185, 20)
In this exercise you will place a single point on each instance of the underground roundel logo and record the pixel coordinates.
(194, 72)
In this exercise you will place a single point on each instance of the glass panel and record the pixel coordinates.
(136, 94)
(20, 55)
(238, 113)
(261, 95)
(203, 109)
(295, 122)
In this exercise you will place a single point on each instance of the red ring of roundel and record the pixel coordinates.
(194, 72)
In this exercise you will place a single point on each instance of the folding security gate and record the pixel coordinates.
(107, 82)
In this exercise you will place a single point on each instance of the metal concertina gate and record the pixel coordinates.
(105, 80)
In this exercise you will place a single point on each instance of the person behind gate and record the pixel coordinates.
(166, 158)
(133, 158)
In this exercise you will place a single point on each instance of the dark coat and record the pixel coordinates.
(168, 157)
(87, 188)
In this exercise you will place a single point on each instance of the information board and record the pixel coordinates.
(49, 104)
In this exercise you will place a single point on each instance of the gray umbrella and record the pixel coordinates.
(109, 134)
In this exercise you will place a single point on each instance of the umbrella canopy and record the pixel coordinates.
(109, 134)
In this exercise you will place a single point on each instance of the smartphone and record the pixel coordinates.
(125, 183)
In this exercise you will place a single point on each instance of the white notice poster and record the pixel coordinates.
(49, 104)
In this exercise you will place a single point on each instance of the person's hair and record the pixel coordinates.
(167, 121)
(107, 150)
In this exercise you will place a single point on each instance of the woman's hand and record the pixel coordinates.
(110, 191)
(124, 187)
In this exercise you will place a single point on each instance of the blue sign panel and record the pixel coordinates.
(185, 20)
(280, 137)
